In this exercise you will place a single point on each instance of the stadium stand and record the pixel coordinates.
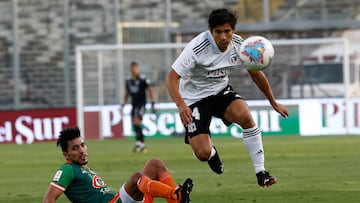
(41, 35)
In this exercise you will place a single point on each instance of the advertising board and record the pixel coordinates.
(30, 126)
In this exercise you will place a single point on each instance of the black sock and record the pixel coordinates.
(139, 135)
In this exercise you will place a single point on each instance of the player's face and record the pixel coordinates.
(222, 35)
(77, 151)
(134, 69)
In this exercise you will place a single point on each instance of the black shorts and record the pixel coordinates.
(138, 111)
(208, 107)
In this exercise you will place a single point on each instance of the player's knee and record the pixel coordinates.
(246, 122)
(157, 163)
(203, 154)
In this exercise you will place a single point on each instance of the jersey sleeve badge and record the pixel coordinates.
(57, 175)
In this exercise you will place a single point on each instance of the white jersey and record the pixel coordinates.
(203, 68)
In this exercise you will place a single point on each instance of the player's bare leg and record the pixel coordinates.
(157, 170)
(204, 150)
(148, 183)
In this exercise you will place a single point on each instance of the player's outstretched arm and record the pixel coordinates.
(52, 195)
(263, 84)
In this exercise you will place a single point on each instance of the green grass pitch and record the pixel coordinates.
(309, 169)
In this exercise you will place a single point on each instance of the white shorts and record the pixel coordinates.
(125, 197)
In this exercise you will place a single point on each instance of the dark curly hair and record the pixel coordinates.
(66, 135)
(221, 16)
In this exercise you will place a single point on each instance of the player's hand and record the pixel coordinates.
(281, 109)
(185, 114)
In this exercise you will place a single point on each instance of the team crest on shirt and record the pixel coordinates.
(233, 59)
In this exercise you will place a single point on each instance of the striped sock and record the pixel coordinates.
(253, 142)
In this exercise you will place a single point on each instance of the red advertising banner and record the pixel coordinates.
(28, 126)
(107, 129)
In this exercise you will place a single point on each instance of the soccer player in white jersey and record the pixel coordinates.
(199, 85)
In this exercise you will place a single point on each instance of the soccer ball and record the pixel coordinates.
(256, 53)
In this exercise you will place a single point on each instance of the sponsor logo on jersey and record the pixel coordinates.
(98, 182)
(219, 73)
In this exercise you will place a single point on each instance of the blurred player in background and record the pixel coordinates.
(136, 88)
(82, 184)
(199, 85)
